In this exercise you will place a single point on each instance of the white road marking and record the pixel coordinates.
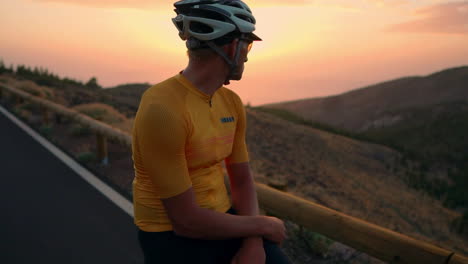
(102, 187)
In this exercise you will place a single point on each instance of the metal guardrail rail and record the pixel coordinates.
(382, 243)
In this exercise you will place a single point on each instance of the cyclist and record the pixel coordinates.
(185, 128)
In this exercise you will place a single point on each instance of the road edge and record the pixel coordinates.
(84, 173)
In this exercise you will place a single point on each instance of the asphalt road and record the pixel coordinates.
(48, 214)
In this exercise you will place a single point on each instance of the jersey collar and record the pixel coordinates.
(191, 87)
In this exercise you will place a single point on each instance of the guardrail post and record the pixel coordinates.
(3, 95)
(45, 115)
(6, 96)
(58, 119)
(18, 100)
(102, 149)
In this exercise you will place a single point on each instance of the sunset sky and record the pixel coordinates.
(311, 47)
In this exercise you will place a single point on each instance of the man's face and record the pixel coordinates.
(245, 46)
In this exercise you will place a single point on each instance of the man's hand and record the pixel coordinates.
(276, 231)
(250, 252)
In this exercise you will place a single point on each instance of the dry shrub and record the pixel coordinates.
(126, 125)
(4, 79)
(102, 112)
(34, 89)
(29, 87)
(346, 176)
(25, 114)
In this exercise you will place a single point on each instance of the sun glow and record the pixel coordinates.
(154, 33)
(152, 30)
(310, 47)
(280, 36)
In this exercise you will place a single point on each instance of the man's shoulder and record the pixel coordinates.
(230, 93)
(168, 92)
(232, 96)
(163, 98)
(168, 86)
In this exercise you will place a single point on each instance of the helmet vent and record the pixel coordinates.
(213, 20)
(234, 3)
(245, 18)
(200, 28)
(180, 25)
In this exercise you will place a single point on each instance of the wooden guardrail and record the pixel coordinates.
(103, 131)
(374, 240)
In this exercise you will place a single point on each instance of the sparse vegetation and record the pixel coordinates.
(86, 157)
(426, 140)
(25, 114)
(30, 87)
(315, 242)
(45, 130)
(343, 174)
(28, 106)
(4, 69)
(101, 112)
(79, 130)
(424, 118)
(435, 137)
(42, 76)
(460, 225)
(291, 117)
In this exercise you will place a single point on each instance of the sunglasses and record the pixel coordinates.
(249, 43)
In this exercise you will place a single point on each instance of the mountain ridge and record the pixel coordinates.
(351, 110)
(424, 118)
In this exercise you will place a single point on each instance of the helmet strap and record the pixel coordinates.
(233, 67)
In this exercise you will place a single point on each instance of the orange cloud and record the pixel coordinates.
(145, 4)
(449, 18)
(140, 4)
(388, 3)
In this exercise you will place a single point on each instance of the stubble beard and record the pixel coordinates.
(237, 73)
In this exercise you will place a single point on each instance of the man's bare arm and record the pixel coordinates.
(244, 196)
(190, 220)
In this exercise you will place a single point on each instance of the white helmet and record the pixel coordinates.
(207, 20)
(211, 24)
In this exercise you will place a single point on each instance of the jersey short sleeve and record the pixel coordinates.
(239, 148)
(161, 141)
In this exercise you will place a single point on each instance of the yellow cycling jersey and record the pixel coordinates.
(181, 136)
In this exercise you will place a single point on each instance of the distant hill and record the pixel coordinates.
(71, 92)
(125, 96)
(130, 89)
(425, 118)
(360, 179)
(375, 106)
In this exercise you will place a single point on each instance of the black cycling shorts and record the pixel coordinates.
(167, 247)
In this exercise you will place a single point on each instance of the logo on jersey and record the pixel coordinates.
(227, 119)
